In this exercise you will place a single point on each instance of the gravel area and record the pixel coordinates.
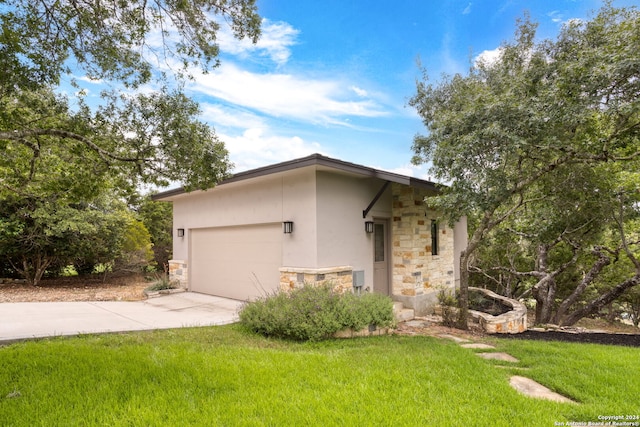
(121, 288)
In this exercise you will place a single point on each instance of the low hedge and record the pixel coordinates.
(315, 312)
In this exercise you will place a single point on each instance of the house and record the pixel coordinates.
(311, 220)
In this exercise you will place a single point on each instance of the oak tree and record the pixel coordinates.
(541, 107)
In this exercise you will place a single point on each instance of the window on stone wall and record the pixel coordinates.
(434, 237)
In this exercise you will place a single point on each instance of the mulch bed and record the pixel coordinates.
(630, 340)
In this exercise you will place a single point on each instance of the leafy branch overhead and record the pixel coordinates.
(134, 137)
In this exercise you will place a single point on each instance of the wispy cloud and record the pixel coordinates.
(259, 147)
(467, 10)
(275, 41)
(359, 91)
(556, 16)
(221, 116)
(286, 95)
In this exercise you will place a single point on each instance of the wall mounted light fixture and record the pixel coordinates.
(368, 226)
(287, 227)
(180, 232)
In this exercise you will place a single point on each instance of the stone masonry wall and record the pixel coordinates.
(292, 277)
(415, 270)
(178, 272)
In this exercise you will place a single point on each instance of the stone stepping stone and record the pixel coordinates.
(498, 356)
(476, 345)
(530, 388)
(454, 338)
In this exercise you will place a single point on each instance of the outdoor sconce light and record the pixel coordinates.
(368, 226)
(180, 232)
(287, 226)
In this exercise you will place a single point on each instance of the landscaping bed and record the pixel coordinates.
(78, 288)
(626, 339)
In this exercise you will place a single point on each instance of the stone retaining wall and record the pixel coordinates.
(512, 322)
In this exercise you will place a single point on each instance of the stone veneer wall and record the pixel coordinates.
(178, 272)
(293, 277)
(415, 270)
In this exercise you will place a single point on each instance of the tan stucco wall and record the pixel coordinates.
(285, 197)
(343, 240)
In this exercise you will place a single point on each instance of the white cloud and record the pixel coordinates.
(359, 91)
(467, 10)
(285, 95)
(275, 41)
(256, 147)
(224, 117)
(555, 16)
(488, 57)
(408, 169)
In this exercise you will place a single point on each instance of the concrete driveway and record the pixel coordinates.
(24, 320)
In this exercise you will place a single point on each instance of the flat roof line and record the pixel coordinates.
(314, 160)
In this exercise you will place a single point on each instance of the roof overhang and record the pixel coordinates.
(316, 160)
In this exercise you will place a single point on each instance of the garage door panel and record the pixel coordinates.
(236, 262)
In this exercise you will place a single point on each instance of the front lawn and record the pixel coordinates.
(225, 376)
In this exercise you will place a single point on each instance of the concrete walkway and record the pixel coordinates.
(24, 320)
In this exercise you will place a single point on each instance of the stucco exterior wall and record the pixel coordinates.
(342, 239)
(329, 241)
(284, 197)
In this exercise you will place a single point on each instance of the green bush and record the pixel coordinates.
(449, 302)
(161, 283)
(315, 312)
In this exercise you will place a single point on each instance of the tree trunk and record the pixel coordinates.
(601, 263)
(463, 297)
(598, 303)
(34, 268)
(545, 290)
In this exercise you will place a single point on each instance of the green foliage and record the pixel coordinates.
(109, 39)
(448, 301)
(51, 234)
(135, 252)
(315, 313)
(62, 158)
(158, 219)
(162, 283)
(539, 137)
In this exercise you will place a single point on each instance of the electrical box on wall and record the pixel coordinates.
(358, 280)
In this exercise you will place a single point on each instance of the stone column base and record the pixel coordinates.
(178, 272)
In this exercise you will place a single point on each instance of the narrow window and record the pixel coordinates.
(434, 237)
(379, 243)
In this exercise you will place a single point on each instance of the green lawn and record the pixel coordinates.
(225, 376)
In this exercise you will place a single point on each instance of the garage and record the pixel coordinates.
(236, 262)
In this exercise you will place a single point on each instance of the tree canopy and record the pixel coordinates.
(136, 136)
(512, 130)
(63, 156)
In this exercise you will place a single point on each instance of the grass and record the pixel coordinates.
(226, 376)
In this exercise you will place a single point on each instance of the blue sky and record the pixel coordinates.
(334, 76)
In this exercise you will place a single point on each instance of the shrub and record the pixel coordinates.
(449, 303)
(315, 312)
(162, 283)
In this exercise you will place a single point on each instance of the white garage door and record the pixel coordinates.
(236, 262)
